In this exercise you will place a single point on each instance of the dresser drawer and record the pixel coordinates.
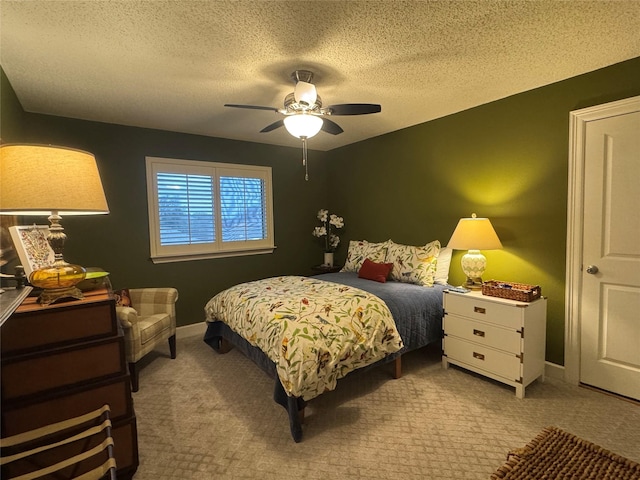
(483, 333)
(21, 416)
(484, 358)
(40, 329)
(125, 447)
(61, 368)
(479, 308)
(125, 450)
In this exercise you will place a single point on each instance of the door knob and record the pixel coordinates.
(592, 269)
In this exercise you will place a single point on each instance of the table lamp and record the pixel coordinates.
(474, 234)
(54, 181)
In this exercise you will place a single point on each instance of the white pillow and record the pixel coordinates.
(413, 264)
(442, 267)
(359, 250)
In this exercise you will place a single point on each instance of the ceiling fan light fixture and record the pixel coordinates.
(305, 93)
(303, 125)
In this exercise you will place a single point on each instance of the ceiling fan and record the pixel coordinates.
(304, 115)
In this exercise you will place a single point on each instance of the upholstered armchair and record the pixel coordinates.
(148, 321)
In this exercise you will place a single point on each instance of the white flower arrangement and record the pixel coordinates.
(331, 240)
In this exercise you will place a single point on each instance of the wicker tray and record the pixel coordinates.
(511, 290)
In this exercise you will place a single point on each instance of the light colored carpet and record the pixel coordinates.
(211, 416)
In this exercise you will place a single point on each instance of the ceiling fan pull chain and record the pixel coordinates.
(304, 158)
(304, 151)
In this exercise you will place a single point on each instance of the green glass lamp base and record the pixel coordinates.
(58, 281)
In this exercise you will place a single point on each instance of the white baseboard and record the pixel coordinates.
(553, 370)
(191, 330)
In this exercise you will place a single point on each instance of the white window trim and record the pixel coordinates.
(218, 249)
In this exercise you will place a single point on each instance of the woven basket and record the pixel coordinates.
(554, 453)
(511, 290)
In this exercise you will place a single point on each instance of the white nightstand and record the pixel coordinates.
(495, 337)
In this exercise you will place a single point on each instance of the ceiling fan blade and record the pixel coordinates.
(252, 107)
(273, 126)
(331, 127)
(354, 108)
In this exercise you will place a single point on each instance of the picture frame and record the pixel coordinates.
(32, 247)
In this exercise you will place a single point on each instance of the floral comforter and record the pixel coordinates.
(314, 331)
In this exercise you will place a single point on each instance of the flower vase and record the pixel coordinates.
(328, 259)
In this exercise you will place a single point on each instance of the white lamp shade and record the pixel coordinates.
(39, 180)
(474, 234)
(305, 93)
(303, 125)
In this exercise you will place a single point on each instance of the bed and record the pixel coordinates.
(308, 332)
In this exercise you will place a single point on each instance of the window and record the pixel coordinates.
(207, 210)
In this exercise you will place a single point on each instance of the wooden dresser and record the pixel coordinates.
(64, 360)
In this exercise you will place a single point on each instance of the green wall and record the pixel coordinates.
(11, 112)
(506, 160)
(119, 242)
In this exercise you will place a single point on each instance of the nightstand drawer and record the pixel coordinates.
(484, 358)
(479, 308)
(483, 333)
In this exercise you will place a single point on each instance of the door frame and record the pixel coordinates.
(578, 121)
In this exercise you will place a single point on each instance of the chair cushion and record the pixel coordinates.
(153, 326)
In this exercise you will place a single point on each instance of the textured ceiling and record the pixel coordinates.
(172, 65)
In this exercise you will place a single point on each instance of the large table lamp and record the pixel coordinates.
(474, 234)
(53, 181)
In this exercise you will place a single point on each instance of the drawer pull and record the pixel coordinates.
(480, 310)
(478, 333)
(477, 355)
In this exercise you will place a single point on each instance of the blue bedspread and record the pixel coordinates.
(416, 310)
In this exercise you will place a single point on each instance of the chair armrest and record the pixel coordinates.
(127, 316)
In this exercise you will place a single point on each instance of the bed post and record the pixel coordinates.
(294, 407)
(225, 345)
(397, 367)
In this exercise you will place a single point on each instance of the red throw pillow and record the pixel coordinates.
(375, 271)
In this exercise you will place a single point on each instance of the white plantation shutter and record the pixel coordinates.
(185, 209)
(242, 207)
(205, 210)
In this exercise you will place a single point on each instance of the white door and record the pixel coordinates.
(610, 278)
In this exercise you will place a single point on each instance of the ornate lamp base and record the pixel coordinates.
(474, 264)
(58, 281)
(473, 283)
(51, 295)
